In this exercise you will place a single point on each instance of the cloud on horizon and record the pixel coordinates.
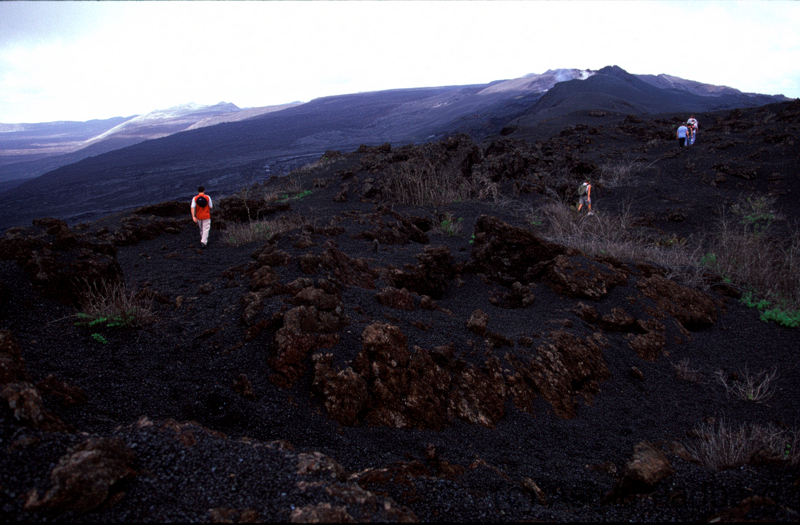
(87, 60)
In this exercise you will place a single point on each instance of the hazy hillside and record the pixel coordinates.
(30, 150)
(229, 155)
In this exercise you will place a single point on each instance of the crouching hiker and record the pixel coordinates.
(201, 214)
(585, 196)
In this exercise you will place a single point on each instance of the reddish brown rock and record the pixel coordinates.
(580, 277)
(506, 253)
(67, 395)
(561, 371)
(351, 272)
(394, 298)
(430, 277)
(692, 308)
(647, 467)
(478, 394)
(478, 322)
(84, 478)
(12, 365)
(318, 465)
(345, 393)
(648, 346)
(27, 406)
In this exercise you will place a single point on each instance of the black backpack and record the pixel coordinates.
(201, 201)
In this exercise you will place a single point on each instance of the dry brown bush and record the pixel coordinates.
(420, 182)
(111, 301)
(743, 249)
(719, 447)
(757, 388)
(238, 234)
(686, 372)
(619, 173)
(605, 233)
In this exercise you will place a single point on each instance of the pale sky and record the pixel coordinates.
(97, 60)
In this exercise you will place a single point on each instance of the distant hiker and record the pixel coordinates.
(585, 196)
(692, 122)
(683, 134)
(201, 213)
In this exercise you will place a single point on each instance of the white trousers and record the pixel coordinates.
(205, 226)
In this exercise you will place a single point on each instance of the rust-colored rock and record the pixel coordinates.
(318, 465)
(67, 395)
(394, 298)
(84, 478)
(695, 310)
(478, 394)
(647, 466)
(648, 346)
(561, 370)
(321, 513)
(580, 277)
(12, 365)
(506, 253)
(478, 322)
(345, 393)
(26, 404)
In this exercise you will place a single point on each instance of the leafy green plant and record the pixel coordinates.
(99, 338)
(451, 226)
(749, 301)
(115, 321)
(787, 318)
(756, 211)
(286, 197)
(709, 260)
(782, 317)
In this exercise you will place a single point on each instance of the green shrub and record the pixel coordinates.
(286, 197)
(784, 317)
(451, 226)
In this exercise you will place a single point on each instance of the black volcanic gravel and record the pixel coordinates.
(182, 367)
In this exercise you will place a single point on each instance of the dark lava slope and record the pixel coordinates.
(370, 363)
(235, 154)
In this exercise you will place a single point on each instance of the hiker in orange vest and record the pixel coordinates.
(201, 214)
(585, 194)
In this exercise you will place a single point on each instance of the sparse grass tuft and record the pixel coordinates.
(686, 373)
(756, 388)
(620, 173)
(111, 305)
(719, 447)
(742, 249)
(617, 235)
(420, 182)
(260, 231)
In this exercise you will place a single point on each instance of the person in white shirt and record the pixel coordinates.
(692, 122)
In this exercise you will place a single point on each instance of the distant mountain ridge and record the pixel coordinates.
(30, 150)
(170, 152)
